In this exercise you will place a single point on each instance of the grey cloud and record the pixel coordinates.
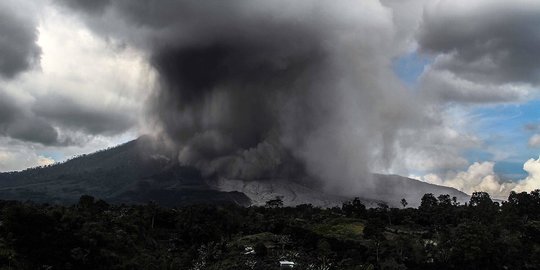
(49, 119)
(489, 42)
(92, 120)
(55, 120)
(17, 123)
(18, 36)
(407, 15)
(444, 86)
(8, 110)
(92, 6)
(33, 130)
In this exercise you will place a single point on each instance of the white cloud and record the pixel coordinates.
(19, 159)
(480, 176)
(532, 182)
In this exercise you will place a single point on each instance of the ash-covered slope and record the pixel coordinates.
(389, 189)
(139, 171)
(392, 188)
(292, 192)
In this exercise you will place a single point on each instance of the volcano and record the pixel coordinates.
(141, 171)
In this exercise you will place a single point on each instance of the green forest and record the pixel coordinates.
(440, 234)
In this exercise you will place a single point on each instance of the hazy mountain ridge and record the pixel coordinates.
(392, 188)
(292, 193)
(140, 171)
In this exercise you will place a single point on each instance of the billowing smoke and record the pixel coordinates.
(269, 89)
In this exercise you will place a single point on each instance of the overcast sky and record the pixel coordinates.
(77, 76)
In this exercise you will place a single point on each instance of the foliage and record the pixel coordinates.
(277, 202)
(440, 234)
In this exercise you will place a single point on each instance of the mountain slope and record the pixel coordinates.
(392, 188)
(140, 171)
(388, 188)
(133, 172)
(291, 192)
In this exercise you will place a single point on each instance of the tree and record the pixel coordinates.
(472, 247)
(86, 202)
(428, 202)
(383, 207)
(480, 199)
(523, 204)
(482, 207)
(428, 210)
(374, 230)
(260, 249)
(404, 202)
(277, 202)
(444, 200)
(455, 201)
(34, 235)
(325, 253)
(354, 208)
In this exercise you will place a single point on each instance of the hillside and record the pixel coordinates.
(134, 172)
(140, 171)
(388, 188)
(392, 188)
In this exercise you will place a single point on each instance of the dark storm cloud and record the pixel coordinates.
(18, 35)
(490, 42)
(17, 123)
(68, 114)
(54, 120)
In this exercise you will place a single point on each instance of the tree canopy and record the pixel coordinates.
(440, 234)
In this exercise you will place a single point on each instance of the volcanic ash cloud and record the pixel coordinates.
(269, 89)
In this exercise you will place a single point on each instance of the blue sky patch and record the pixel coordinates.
(409, 67)
(505, 131)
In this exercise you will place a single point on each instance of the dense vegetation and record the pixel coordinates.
(440, 234)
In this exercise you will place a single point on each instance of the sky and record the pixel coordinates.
(445, 91)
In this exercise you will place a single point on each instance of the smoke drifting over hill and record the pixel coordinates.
(269, 89)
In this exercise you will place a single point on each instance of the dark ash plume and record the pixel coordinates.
(269, 89)
(223, 102)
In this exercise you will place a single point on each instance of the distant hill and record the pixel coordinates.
(392, 188)
(140, 171)
(134, 172)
